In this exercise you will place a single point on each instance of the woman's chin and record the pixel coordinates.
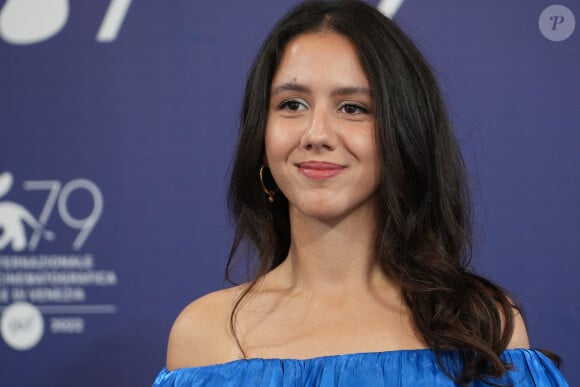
(323, 211)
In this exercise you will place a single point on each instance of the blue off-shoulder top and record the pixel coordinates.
(394, 368)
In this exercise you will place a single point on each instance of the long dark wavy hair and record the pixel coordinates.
(423, 238)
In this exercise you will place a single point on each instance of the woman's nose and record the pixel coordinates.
(319, 134)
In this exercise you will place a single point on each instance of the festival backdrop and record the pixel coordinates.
(117, 123)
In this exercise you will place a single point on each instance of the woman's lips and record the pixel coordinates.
(319, 169)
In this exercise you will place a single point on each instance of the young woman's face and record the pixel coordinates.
(320, 133)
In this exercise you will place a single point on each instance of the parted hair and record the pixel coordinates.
(423, 239)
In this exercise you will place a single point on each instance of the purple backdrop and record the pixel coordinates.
(117, 123)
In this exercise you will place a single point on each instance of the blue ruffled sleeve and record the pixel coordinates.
(532, 368)
(381, 369)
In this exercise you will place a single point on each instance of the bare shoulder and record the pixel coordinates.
(200, 335)
(520, 334)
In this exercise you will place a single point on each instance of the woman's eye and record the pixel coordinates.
(292, 105)
(352, 109)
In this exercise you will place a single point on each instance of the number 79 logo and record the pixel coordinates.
(32, 21)
(14, 217)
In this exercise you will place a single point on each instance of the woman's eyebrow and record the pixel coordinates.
(341, 91)
(352, 90)
(290, 86)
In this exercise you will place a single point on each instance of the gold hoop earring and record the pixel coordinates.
(266, 190)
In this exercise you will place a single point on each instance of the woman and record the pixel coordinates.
(349, 184)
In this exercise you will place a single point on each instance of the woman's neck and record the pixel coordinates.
(332, 257)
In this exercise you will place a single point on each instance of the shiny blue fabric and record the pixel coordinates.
(393, 368)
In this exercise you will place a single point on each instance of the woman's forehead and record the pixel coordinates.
(320, 59)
